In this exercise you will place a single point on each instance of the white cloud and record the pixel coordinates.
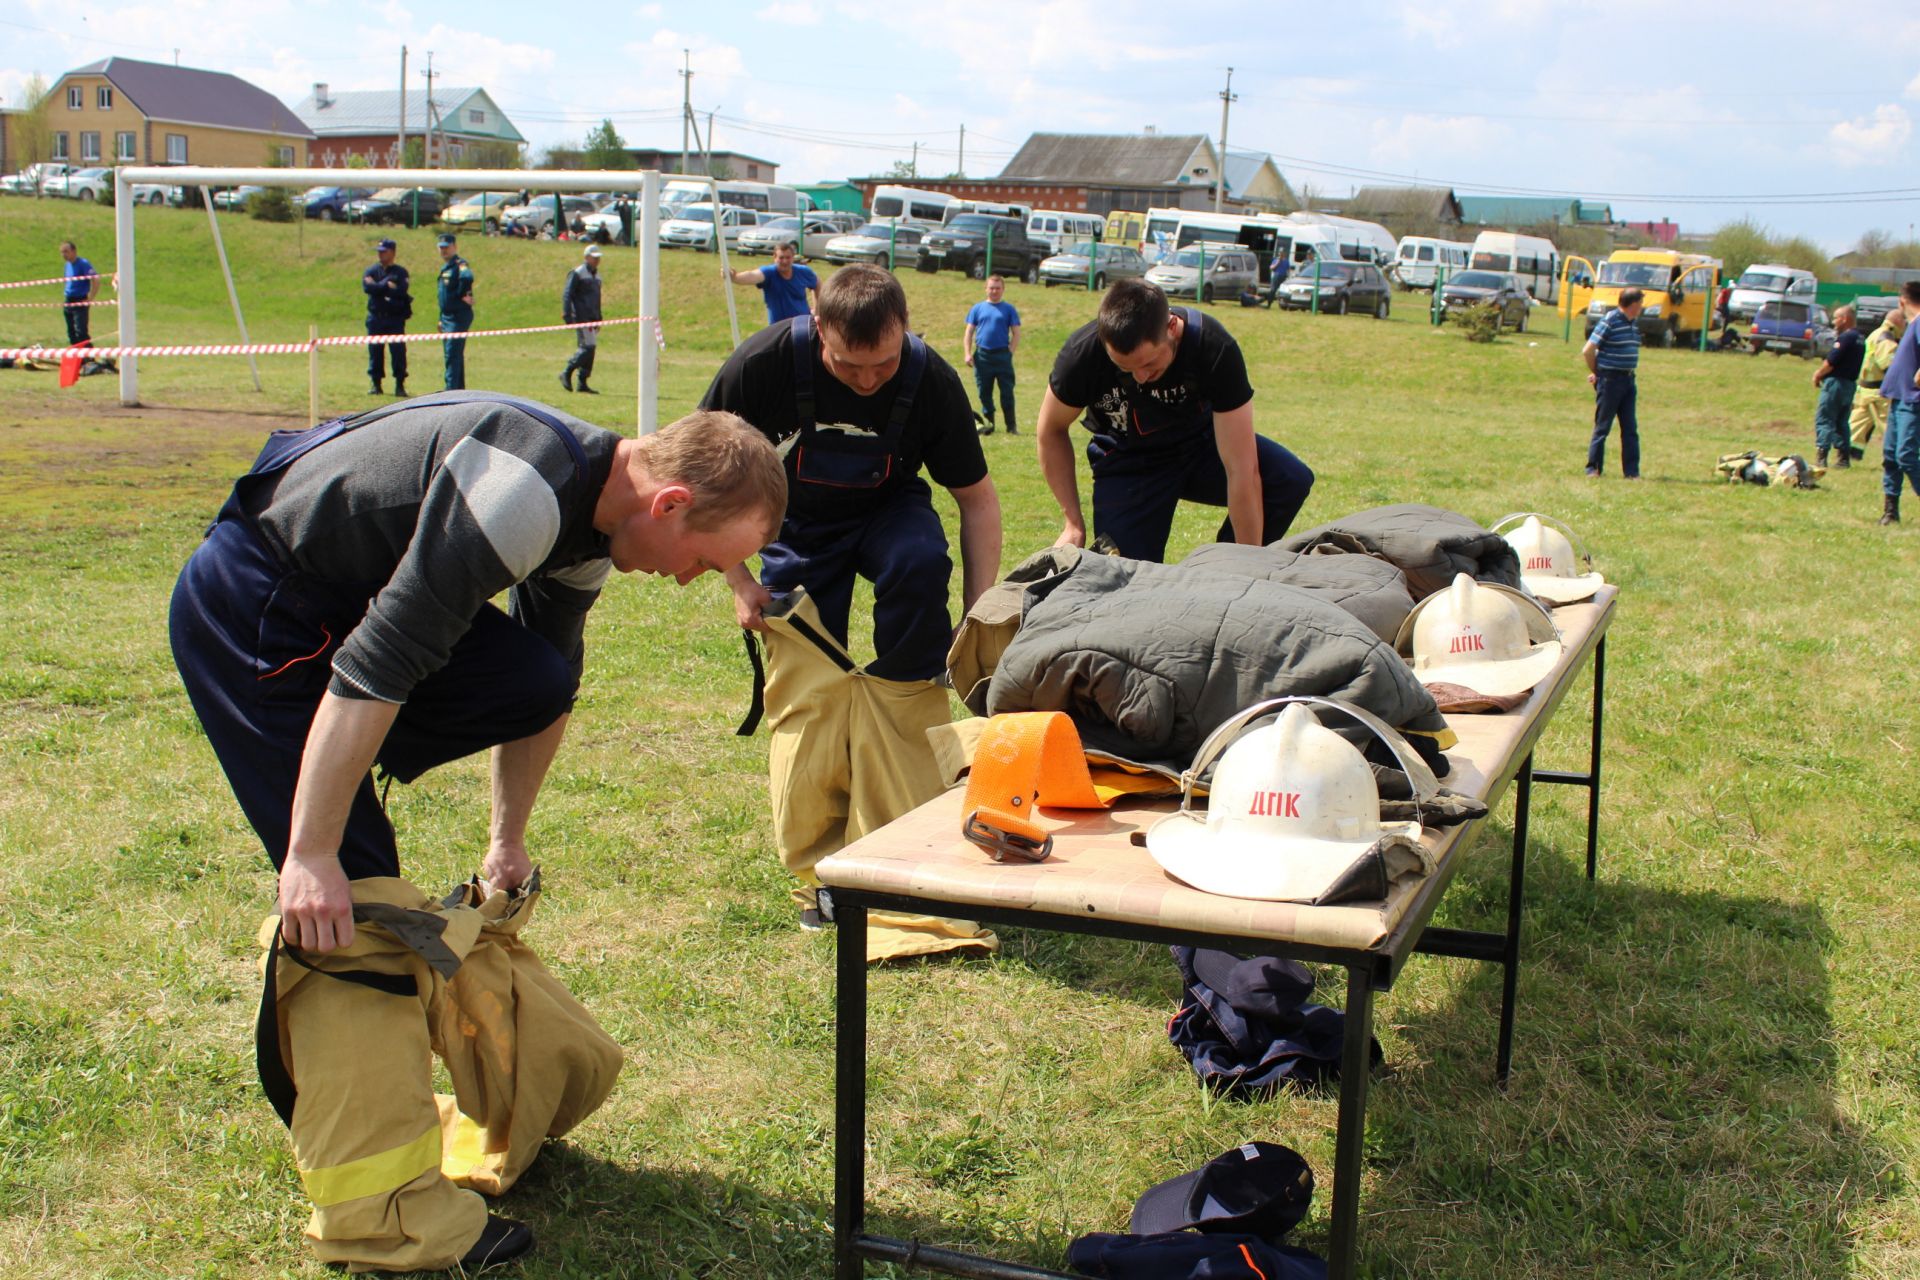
(1913, 88)
(792, 13)
(1872, 139)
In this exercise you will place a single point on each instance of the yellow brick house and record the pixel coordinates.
(123, 111)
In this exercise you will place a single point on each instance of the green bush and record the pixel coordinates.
(274, 204)
(1480, 323)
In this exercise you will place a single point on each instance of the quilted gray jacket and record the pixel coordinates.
(1428, 544)
(1148, 659)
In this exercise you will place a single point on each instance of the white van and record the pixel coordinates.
(1359, 241)
(1533, 259)
(989, 207)
(1170, 230)
(1421, 259)
(761, 197)
(1767, 282)
(1058, 228)
(911, 204)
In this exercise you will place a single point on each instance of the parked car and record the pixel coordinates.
(234, 199)
(1798, 327)
(1476, 288)
(872, 242)
(961, 245)
(693, 228)
(1870, 310)
(80, 184)
(27, 181)
(1344, 287)
(1770, 282)
(396, 204)
(329, 203)
(537, 215)
(151, 193)
(807, 233)
(484, 209)
(605, 224)
(1229, 272)
(1116, 262)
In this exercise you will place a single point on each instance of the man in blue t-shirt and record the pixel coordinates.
(82, 285)
(1612, 354)
(991, 341)
(784, 285)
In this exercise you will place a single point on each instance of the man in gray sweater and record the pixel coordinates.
(336, 618)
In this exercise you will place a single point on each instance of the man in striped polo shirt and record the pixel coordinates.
(1612, 353)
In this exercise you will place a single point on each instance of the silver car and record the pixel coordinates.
(1115, 262)
(869, 244)
(1229, 273)
(807, 233)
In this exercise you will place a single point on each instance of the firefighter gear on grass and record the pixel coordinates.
(345, 1044)
(849, 755)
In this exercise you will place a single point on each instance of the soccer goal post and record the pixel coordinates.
(645, 184)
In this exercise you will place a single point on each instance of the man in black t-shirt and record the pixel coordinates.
(1166, 396)
(856, 504)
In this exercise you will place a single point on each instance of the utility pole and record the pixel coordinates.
(1227, 98)
(962, 169)
(686, 104)
(427, 144)
(709, 147)
(400, 138)
(914, 168)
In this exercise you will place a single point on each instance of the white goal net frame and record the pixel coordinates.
(646, 184)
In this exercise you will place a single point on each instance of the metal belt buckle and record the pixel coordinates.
(1005, 846)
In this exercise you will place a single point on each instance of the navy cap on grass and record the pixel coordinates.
(1261, 1188)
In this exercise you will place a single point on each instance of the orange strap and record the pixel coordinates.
(1025, 759)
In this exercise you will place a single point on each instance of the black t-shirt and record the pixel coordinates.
(1208, 376)
(757, 382)
(1849, 349)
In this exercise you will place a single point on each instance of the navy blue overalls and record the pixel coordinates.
(1138, 481)
(836, 528)
(254, 638)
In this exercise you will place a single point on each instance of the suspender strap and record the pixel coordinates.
(758, 709)
(1024, 759)
(802, 331)
(284, 448)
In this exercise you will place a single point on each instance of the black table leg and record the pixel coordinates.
(1593, 757)
(1516, 893)
(1349, 1145)
(849, 1090)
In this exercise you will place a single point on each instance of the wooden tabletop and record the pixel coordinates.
(1096, 871)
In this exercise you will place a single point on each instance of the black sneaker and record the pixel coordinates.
(585, 389)
(501, 1241)
(566, 380)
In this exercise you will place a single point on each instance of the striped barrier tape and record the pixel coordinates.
(77, 302)
(302, 348)
(34, 284)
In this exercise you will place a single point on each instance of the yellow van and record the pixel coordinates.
(1679, 289)
(1126, 226)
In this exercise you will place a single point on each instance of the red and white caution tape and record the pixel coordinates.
(77, 302)
(302, 348)
(34, 284)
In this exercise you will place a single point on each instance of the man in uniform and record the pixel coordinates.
(389, 306)
(784, 286)
(81, 288)
(1166, 395)
(578, 305)
(1836, 379)
(456, 309)
(991, 341)
(859, 405)
(336, 617)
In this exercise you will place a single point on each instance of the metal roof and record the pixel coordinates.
(358, 112)
(1105, 157)
(191, 96)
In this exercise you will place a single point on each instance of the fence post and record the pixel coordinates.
(893, 239)
(1093, 260)
(313, 374)
(1435, 306)
(1713, 289)
(1316, 282)
(987, 268)
(1200, 281)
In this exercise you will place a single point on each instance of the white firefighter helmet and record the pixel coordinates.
(1481, 635)
(1291, 808)
(1549, 565)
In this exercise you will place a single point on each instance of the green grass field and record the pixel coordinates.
(1718, 1065)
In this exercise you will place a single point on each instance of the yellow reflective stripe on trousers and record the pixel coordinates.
(371, 1175)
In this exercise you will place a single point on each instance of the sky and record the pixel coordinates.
(1701, 113)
